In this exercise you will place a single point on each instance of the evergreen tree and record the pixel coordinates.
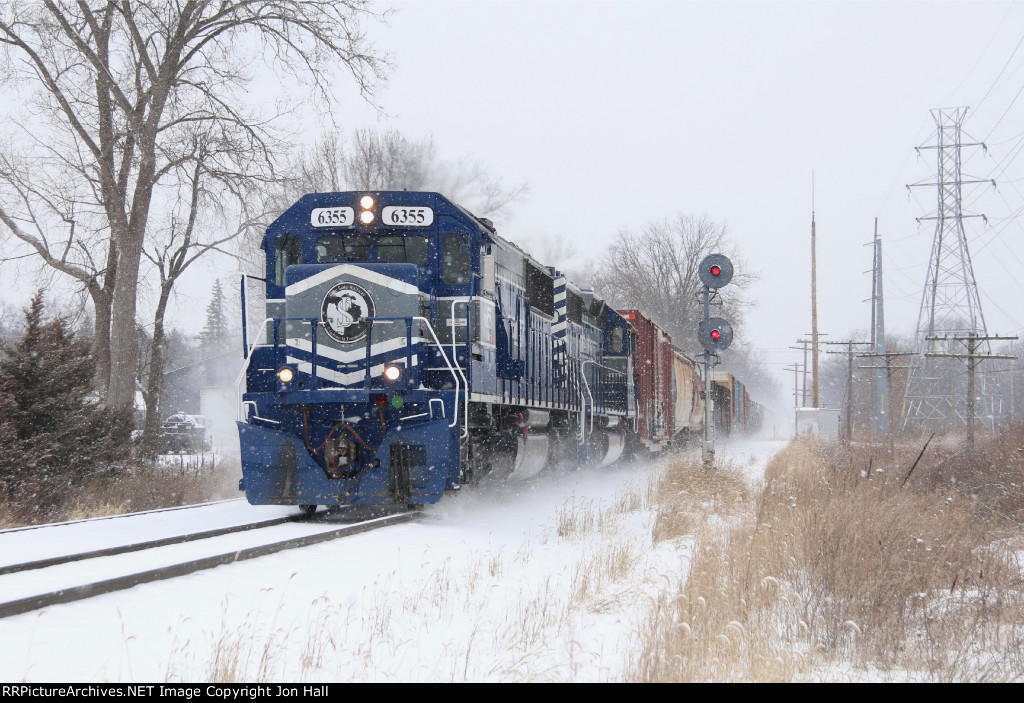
(215, 336)
(54, 434)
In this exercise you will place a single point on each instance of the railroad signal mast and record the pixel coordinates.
(715, 335)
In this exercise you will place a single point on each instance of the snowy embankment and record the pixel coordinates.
(552, 580)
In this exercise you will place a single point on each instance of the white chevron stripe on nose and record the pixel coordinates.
(348, 357)
(355, 272)
(345, 379)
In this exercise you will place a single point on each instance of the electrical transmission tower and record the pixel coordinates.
(950, 307)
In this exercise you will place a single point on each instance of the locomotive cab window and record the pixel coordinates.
(402, 250)
(287, 251)
(333, 249)
(456, 262)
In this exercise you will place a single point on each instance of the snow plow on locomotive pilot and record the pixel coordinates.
(408, 349)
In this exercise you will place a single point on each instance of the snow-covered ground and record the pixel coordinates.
(546, 581)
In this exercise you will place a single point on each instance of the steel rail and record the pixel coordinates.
(89, 590)
(151, 544)
(24, 528)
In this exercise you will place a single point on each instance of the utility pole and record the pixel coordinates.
(805, 345)
(878, 337)
(814, 301)
(849, 382)
(886, 368)
(1013, 400)
(795, 368)
(974, 341)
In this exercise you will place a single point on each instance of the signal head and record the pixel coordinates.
(715, 270)
(714, 334)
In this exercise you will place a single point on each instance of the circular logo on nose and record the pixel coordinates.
(344, 311)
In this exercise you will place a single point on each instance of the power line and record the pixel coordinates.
(1005, 65)
(999, 121)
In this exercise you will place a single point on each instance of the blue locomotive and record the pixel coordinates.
(410, 350)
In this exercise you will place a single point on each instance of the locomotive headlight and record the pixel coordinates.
(286, 378)
(366, 217)
(393, 375)
(366, 202)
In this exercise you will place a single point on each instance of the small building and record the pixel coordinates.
(823, 422)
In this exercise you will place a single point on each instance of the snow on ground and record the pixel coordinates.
(548, 581)
(26, 544)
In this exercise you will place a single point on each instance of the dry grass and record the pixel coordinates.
(842, 564)
(832, 571)
(688, 498)
(178, 481)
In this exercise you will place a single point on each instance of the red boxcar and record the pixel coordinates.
(668, 382)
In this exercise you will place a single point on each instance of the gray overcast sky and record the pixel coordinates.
(620, 113)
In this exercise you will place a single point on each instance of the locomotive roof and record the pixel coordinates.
(295, 214)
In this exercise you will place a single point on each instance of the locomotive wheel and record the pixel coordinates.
(307, 510)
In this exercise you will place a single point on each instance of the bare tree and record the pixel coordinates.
(556, 249)
(655, 270)
(47, 210)
(470, 182)
(118, 87)
(389, 160)
(216, 208)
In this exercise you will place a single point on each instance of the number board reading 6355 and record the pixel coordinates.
(408, 216)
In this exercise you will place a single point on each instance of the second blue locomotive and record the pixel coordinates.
(409, 349)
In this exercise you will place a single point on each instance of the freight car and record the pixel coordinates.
(669, 388)
(734, 412)
(670, 392)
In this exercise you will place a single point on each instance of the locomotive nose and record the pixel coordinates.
(358, 316)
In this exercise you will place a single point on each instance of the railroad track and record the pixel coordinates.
(68, 576)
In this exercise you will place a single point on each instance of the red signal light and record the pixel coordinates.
(716, 270)
(716, 334)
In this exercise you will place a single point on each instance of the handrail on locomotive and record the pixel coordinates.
(279, 354)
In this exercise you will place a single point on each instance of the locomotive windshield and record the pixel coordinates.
(402, 250)
(333, 249)
(359, 248)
